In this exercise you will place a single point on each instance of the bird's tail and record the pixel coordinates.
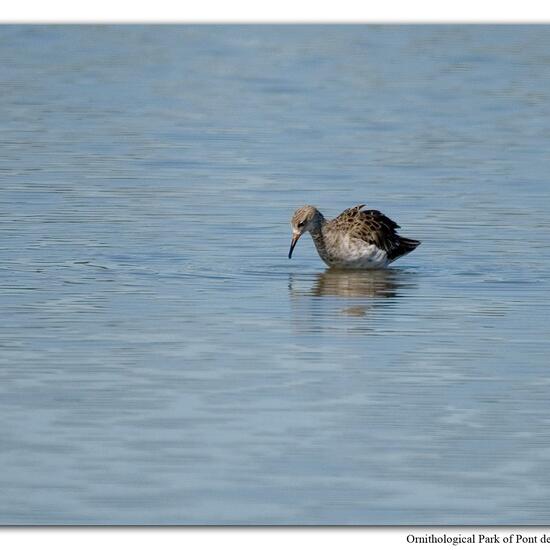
(405, 246)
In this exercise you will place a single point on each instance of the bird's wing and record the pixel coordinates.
(370, 226)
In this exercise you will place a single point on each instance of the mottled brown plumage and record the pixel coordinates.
(357, 238)
(372, 227)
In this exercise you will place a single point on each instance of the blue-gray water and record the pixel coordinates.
(163, 362)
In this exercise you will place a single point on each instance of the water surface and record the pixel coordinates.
(163, 362)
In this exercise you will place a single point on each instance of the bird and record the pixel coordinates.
(356, 239)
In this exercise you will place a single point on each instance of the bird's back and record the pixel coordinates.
(372, 228)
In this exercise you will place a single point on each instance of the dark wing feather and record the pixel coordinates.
(372, 227)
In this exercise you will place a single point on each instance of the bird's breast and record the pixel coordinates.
(341, 250)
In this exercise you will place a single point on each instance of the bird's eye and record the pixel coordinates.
(301, 224)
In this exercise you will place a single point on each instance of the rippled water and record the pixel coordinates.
(162, 361)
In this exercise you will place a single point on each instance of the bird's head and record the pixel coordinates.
(306, 218)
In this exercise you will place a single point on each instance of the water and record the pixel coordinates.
(163, 362)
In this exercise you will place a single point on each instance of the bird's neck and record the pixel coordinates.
(317, 226)
(317, 235)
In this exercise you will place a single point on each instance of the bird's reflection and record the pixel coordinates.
(348, 293)
(352, 284)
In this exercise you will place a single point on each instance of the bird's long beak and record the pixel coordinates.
(295, 238)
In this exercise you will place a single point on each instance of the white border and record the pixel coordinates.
(254, 538)
(281, 11)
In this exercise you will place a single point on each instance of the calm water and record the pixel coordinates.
(162, 361)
